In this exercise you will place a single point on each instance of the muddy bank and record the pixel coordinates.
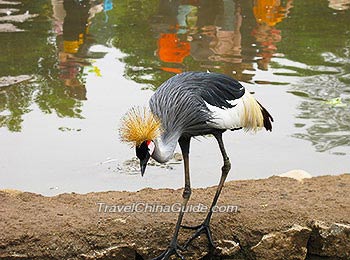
(275, 218)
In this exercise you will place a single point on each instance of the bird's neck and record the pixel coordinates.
(164, 147)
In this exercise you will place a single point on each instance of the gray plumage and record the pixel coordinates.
(180, 102)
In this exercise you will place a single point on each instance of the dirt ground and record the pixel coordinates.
(70, 226)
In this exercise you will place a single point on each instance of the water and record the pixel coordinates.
(81, 65)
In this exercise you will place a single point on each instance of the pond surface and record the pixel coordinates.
(69, 70)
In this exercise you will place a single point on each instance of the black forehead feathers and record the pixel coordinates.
(142, 150)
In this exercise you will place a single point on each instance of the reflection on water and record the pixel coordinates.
(268, 14)
(33, 52)
(270, 42)
(225, 36)
(322, 49)
(339, 5)
(209, 32)
(239, 38)
(57, 65)
(71, 24)
(208, 35)
(326, 103)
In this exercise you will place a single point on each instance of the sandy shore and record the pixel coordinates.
(89, 226)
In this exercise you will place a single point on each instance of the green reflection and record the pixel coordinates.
(314, 28)
(317, 35)
(54, 52)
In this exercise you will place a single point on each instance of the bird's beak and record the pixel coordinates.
(143, 168)
(143, 164)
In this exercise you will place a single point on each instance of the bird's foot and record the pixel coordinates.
(171, 250)
(200, 229)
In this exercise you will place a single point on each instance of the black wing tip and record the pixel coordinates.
(267, 118)
(268, 121)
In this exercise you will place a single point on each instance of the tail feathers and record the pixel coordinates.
(267, 118)
(251, 119)
(255, 116)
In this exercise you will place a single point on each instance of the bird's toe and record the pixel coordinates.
(201, 229)
(171, 250)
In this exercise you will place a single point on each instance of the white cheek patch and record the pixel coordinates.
(151, 147)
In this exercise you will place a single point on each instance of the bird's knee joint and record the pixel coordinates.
(186, 193)
(227, 166)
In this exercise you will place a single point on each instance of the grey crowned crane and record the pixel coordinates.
(187, 105)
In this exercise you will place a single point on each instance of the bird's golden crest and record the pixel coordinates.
(138, 125)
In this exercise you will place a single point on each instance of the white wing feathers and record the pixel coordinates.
(246, 113)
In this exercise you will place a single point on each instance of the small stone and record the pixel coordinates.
(330, 241)
(289, 244)
(227, 248)
(120, 251)
(298, 175)
(178, 157)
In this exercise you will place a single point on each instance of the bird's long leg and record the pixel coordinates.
(173, 248)
(205, 226)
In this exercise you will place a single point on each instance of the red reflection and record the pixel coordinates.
(268, 13)
(172, 49)
(213, 33)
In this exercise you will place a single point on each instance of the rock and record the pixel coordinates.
(298, 175)
(178, 157)
(330, 241)
(114, 252)
(227, 248)
(289, 244)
